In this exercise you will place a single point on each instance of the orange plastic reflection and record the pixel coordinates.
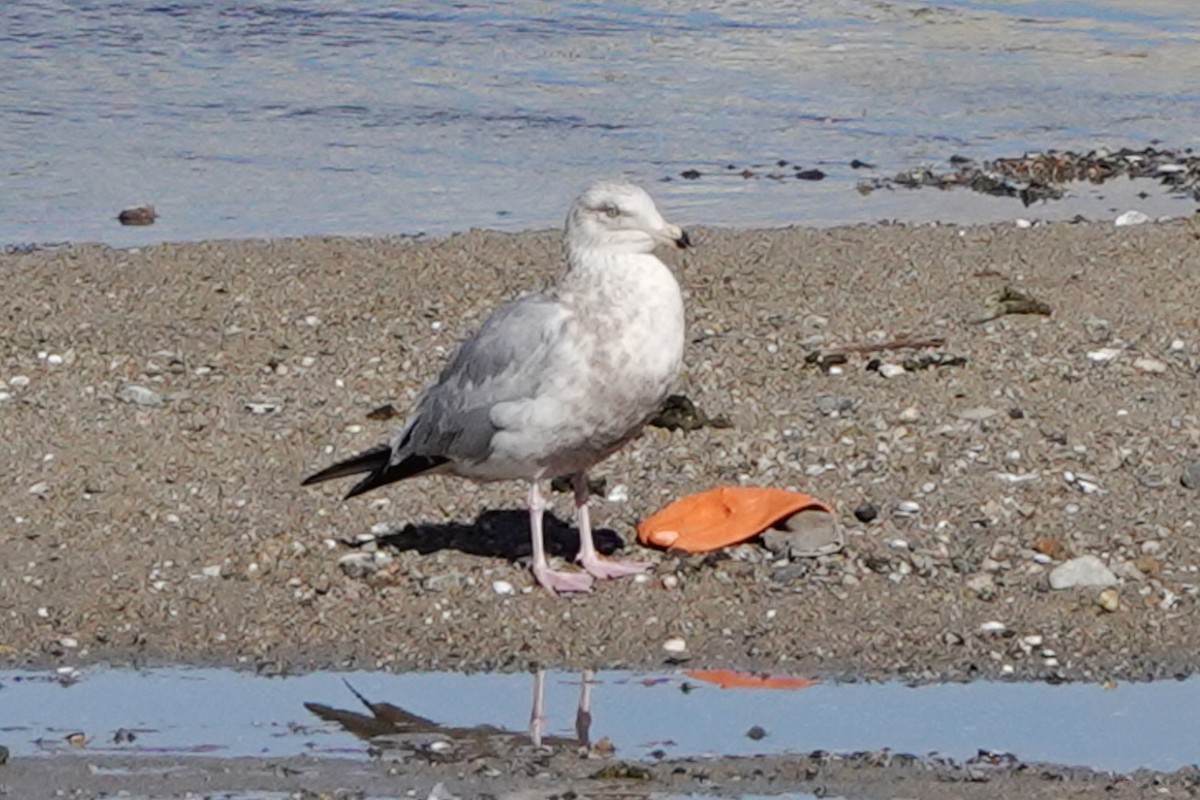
(732, 679)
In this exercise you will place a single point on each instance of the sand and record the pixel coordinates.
(160, 406)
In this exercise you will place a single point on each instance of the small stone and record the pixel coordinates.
(503, 587)
(982, 584)
(1191, 476)
(1032, 640)
(867, 512)
(139, 395)
(756, 733)
(358, 565)
(1049, 546)
(1109, 600)
(618, 494)
(1153, 365)
(1131, 218)
(1082, 571)
(993, 628)
(1103, 355)
(1024, 223)
(907, 508)
(978, 414)
(19, 381)
(69, 642)
(211, 571)
(260, 407)
(138, 215)
(675, 646)
(41, 489)
(891, 370)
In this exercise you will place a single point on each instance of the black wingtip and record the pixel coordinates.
(371, 460)
(390, 473)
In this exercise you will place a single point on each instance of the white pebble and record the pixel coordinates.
(1024, 223)
(1149, 365)
(1178, 344)
(18, 381)
(907, 508)
(1032, 640)
(69, 642)
(212, 571)
(1103, 355)
(618, 494)
(670, 581)
(992, 627)
(503, 587)
(1131, 218)
(675, 645)
(39, 488)
(312, 321)
(891, 370)
(54, 360)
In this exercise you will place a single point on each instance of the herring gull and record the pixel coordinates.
(554, 382)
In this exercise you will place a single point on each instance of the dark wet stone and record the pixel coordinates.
(141, 215)
(825, 360)
(810, 175)
(1011, 301)
(859, 164)
(756, 733)
(691, 174)
(866, 512)
(623, 773)
(679, 413)
(384, 412)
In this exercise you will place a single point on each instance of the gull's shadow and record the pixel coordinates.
(497, 534)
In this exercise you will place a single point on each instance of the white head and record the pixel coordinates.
(618, 216)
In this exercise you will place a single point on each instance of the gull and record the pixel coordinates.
(554, 382)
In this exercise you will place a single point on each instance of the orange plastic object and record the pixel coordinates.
(721, 517)
(731, 679)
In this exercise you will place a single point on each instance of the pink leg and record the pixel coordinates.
(589, 558)
(552, 580)
(537, 716)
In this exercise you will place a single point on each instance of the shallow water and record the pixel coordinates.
(231, 714)
(269, 119)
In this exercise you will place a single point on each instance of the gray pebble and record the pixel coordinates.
(1083, 571)
(138, 395)
(1191, 476)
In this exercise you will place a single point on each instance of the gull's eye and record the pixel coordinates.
(612, 212)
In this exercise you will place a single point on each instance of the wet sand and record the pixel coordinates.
(165, 523)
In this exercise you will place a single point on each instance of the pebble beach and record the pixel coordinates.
(1016, 481)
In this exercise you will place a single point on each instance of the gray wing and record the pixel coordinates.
(509, 358)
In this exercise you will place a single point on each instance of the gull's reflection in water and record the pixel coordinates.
(390, 728)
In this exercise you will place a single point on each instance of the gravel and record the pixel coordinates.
(179, 532)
